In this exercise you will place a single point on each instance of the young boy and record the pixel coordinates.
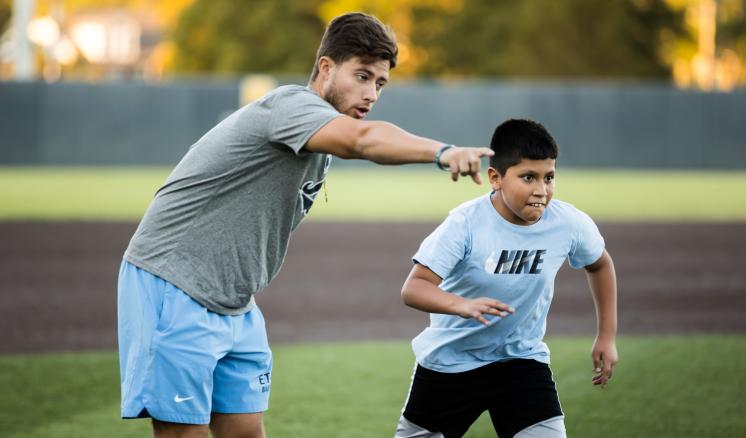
(486, 275)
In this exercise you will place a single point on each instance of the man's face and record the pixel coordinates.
(352, 87)
(524, 192)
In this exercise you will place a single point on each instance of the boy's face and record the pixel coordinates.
(524, 192)
(352, 87)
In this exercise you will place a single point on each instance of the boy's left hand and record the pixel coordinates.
(605, 358)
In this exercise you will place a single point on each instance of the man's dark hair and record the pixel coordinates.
(516, 139)
(357, 34)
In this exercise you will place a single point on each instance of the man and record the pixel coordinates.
(193, 346)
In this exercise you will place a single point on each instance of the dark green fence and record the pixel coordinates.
(596, 124)
(116, 124)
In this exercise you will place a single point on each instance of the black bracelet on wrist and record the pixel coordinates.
(438, 154)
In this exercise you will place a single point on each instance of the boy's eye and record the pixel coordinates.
(549, 178)
(528, 178)
(362, 77)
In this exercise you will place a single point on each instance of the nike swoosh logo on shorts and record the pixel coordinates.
(178, 399)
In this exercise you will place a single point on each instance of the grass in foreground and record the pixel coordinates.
(384, 193)
(664, 387)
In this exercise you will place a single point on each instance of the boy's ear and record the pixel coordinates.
(494, 177)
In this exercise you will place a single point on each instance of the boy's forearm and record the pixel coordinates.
(427, 297)
(602, 282)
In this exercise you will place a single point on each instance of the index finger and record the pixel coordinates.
(485, 152)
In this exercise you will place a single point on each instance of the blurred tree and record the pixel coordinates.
(398, 15)
(240, 36)
(4, 14)
(165, 11)
(731, 39)
(585, 38)
(714, 54)
(570, 38)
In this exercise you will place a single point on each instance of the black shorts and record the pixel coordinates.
(517, 393)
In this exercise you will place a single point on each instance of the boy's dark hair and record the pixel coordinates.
(516, 139)
(357, 34)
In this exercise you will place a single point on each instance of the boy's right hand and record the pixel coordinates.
(475, 308)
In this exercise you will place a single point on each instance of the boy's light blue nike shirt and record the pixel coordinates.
(478, 253)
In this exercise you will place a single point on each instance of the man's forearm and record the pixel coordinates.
(385, 143)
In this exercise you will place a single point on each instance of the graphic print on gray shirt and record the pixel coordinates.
(219, 227)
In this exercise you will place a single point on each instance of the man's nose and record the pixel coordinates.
(371, 94)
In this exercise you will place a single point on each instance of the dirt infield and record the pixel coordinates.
(341, 281)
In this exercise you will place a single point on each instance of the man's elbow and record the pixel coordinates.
(366, 138)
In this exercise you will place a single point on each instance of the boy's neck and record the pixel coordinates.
(498, 204)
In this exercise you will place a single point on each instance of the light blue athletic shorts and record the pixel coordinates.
(179, 361)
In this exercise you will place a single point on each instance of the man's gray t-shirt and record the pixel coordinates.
(218, 229)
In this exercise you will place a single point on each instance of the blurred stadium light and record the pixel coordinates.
(107, 37)
(22, 55)
(43, 31)
(65, 51)
(253, 87)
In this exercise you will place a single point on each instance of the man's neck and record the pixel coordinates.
(315, 86)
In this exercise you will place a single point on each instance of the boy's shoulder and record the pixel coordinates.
(472, 204)
(471, 207)
(558, 213)
(557, 209)
(558, 206)
(566, 212)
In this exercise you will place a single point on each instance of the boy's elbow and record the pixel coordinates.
(603, 262)
(406, 294)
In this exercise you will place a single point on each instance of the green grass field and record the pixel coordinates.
(664, 387)
(393, 194)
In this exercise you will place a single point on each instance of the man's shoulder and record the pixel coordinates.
(295, 98)
(293, 90)
(289, 89)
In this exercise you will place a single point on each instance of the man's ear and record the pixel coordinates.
(494, 178)
(326, 64)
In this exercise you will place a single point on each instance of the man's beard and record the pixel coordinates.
(334, 96)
